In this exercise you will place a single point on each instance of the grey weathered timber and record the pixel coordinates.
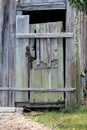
(45, 35)
(40, 6)
(5, 42)
(1, 49)
(37, 47)
(48, 52)
(11, 48)
(54, 105)
(45, 75)
(38, 89)
(60, 63)
(22, 26)
(82, 52)
(70, 79)
(86, 51)
(7, 49)
(40, 1)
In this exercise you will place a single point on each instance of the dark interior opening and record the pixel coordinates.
(44, 16)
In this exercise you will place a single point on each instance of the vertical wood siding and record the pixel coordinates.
(22, 26)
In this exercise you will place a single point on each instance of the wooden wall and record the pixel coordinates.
(7, 50)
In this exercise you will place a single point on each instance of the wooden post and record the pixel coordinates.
(1, 23)
(8, 42)
(70, 59)
(78, 46)
(11, 51)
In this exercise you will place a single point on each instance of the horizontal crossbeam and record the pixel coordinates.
(37, 90)
(44, 35)
(40, 6)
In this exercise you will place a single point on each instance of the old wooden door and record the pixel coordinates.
(43, 68)
(47, 69)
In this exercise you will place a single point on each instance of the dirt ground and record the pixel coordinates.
(18, 122)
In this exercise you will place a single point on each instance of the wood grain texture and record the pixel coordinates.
(45, 35)
(41, 6)
(1, 49)
(40, 1)
(11, 53)
(38, 89)
(7, 49)
(5, 42)
(22, 25)
(47, 78)
(70, 59)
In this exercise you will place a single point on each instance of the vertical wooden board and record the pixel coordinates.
(42, 97)
(60, 62)
(70, 78)
(57, 61)
(22, 26)
(37, 47)
(60, 67)
(32, 29)
(11, 53)
(54, 51)
(45, 55)
(5, 43)
(54, 62)
(43, 44)
(48, 47)
(35, 75)
(1, 64)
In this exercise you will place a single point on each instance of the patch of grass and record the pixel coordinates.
(75, 119)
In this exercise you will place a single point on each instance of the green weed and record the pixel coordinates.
(75, 119)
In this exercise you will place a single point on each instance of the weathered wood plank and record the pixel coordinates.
(40, 6)
(8, 34)
(11, 53)
(70, 58)
(60, 62)
(35, 75)
(1, 48)
(37, 47)
(40, 1)
(5, 42)
(38, 89)
(32, 46)
(58, 59)
(59, 105)
(43, 61)
(52, 73)
(22, 25)
(45, 35)
(48, 48)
